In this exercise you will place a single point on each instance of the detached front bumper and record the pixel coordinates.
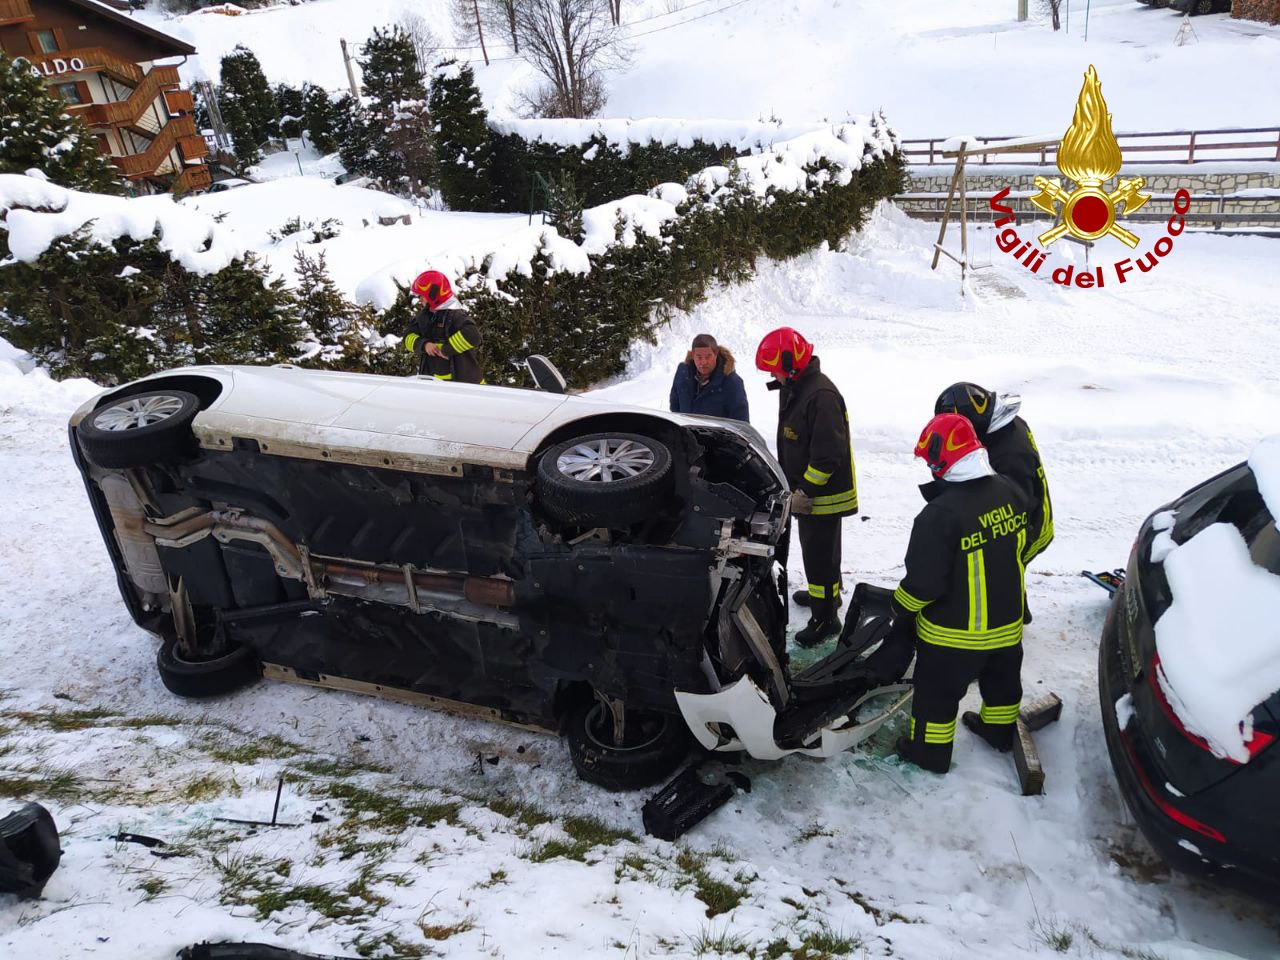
(745, 709)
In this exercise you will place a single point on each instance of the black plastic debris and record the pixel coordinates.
(29, 851)
(249, 951)
(684, 803)
(136, 838)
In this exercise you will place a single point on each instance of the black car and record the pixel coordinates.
(604, 571)
(1201, 6)
(1203, 813)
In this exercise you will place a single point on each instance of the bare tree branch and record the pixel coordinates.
(571, 43)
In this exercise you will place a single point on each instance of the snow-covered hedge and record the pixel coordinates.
(111, 288)
(583, 303)
(610, 159)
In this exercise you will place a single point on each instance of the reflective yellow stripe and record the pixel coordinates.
(977, 591)
(459, 343)
(410, 340)
(443, 376)
(1046, 524)
(1002, 715)
(816, 476)
(939, 732)
(817, 590)
(835, 502)
(1023, 557)
(835, 589)
(907, 601)
(993, 639)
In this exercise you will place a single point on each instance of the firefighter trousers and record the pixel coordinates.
(942, 677)
(820, 548)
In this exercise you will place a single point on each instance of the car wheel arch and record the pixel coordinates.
(207, 389)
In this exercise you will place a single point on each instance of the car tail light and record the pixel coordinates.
(1167, 808)
(1255, 746)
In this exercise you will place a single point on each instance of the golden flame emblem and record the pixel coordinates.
(1089, 155)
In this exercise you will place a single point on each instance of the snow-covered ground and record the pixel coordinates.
(938, 68)
(1135, 392)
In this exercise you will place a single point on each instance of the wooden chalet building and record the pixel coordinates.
(105, 65)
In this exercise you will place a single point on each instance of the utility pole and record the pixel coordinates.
(351, 75)
(475, 4)
(1022, 11)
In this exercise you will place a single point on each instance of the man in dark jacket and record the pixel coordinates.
(961, 599)
(816, 455)
(707, 384)
(443, 335)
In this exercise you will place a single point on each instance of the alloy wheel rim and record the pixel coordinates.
(137, 412)
(607, 460)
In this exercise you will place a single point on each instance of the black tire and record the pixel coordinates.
(206, 678)
(661, 744)
(1203, 7)
(604, 500)
(142, 429)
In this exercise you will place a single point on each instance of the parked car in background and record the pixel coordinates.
(1201, 6)
(604, 571)
(219, 186)
(1203, 811)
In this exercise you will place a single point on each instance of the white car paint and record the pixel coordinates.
(417, 417)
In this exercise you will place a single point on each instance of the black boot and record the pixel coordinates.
(923, 758)
(803, 598)
(821, 626)
(999, 736)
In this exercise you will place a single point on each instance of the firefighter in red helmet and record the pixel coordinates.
(443, 335)
(817, 457)
(961, 599)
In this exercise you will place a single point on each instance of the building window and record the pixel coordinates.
(47, 41)
(69, 92)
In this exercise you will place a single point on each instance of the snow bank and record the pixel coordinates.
(29, 388)
(742, 136)
(37, 213)
(1265, 464)
(1219, 641)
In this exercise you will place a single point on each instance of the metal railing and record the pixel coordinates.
(1207, 209)
(1241, 144)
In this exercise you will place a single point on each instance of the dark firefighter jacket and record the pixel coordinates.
(1014, 454)
(813, 443)
(964, 581)
(723, 395)
(456, 334)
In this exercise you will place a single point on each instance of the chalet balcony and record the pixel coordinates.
(15, 11)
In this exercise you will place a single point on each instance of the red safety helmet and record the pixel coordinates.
(784, 349)
(433, 287)
(946, 440)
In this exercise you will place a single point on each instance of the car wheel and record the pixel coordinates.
(657, 743)
(604, 479)
(206, 678)
(1204, 6)
(138, 430)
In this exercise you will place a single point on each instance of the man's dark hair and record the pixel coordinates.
(704, 340)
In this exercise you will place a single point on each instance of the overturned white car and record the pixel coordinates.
(602, 571)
